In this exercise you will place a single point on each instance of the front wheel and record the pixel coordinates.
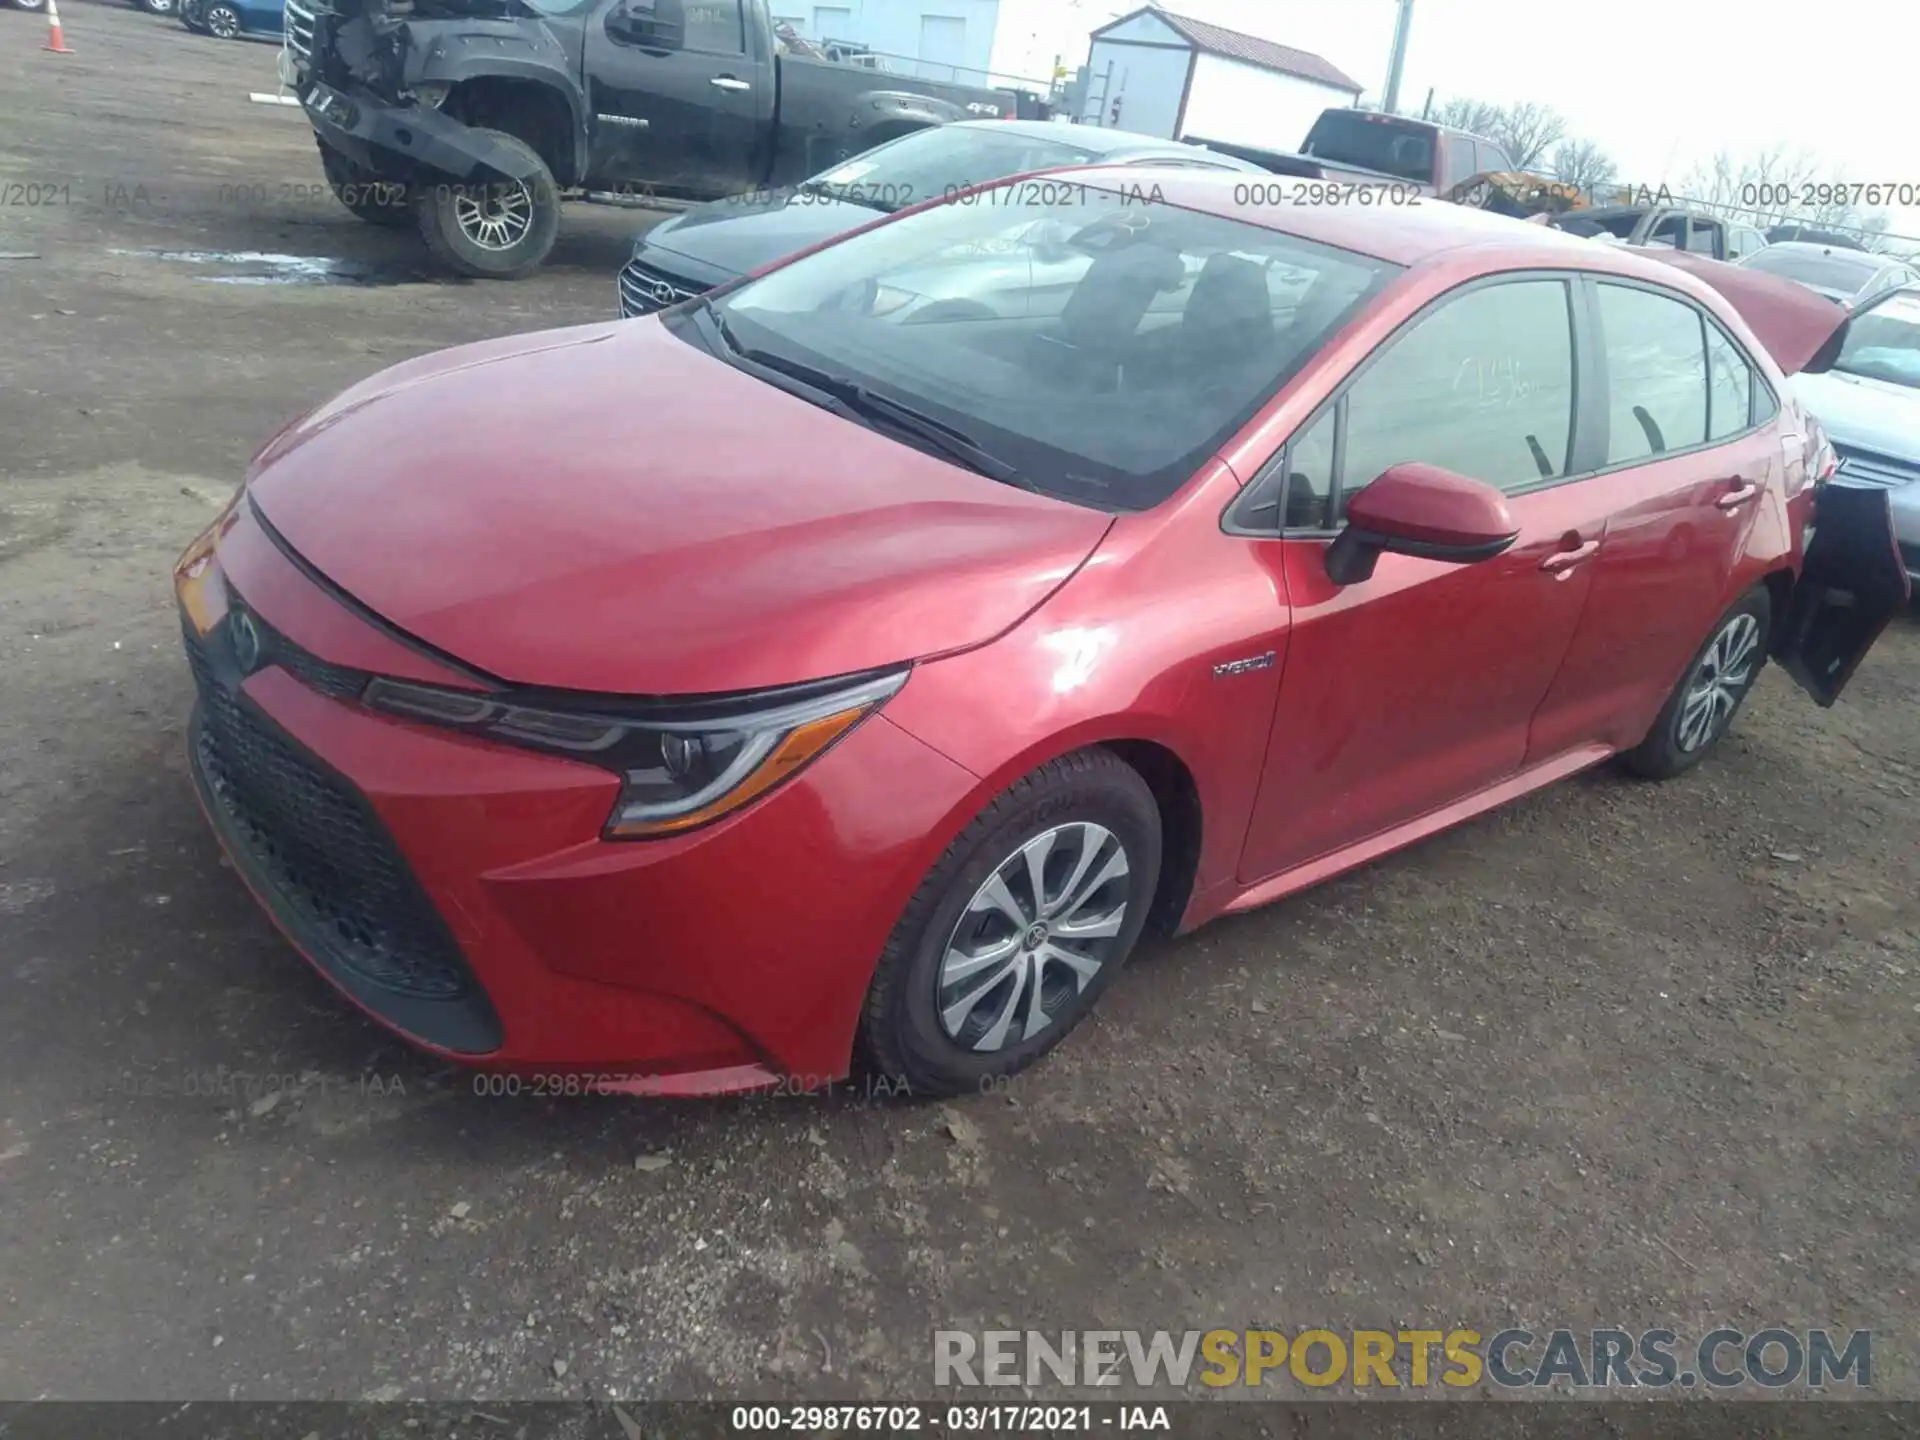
(1017, 931)
(222, 21)
(1702, 706)
(496, 229)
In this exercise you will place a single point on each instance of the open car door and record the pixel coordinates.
(1853, 581)
(1852, 585)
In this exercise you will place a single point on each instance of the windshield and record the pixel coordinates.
(1348, 137)
(1100, 345)
(1817, 268)
(941, 161)
(1883, 343)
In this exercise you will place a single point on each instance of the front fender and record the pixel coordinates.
(451, 52)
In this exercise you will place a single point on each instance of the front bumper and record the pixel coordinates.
(459, 892)
(400, 140)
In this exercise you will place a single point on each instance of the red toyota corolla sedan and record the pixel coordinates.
(845, 669)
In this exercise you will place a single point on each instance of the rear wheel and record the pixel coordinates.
(1018, 930)
(386, 203)
(157, 7)
(1702, 706)
(222, 21)
(495, 228)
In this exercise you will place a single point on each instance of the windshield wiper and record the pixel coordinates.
(854, 401)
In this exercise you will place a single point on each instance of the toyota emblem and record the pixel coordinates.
(246, 641)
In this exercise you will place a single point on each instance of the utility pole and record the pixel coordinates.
(1396, 66)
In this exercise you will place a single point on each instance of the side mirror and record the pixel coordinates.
(650, 24)
(1423, 511)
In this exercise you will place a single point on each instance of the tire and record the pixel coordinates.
(1090, 804)
(1720, 677)
(221, 21)
(34, 5)
(157, 7)
(454, 220)
(386, 203)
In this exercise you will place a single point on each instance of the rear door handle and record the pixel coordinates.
(1565, 560)
(727, 82)
(1745, 492)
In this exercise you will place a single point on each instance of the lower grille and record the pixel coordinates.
(1871, 469)
(647, 291)
(335, 879)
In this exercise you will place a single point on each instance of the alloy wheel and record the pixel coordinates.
(222, 23)
(1033, 937)
(497, 218)
(1719, 683)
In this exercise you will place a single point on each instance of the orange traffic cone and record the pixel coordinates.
(55, 41)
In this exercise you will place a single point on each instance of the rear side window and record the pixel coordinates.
(1483, 386)
(1730, 387)
(1657, 371)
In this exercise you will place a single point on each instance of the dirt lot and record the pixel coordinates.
(1622, 1054)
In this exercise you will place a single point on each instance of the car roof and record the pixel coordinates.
(1839, 252)
(1097, 138)
(1400, 233)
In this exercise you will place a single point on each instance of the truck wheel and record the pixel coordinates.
(386, 203)
(493, 229)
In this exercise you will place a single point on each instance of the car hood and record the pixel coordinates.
(1863, 413)
(609, 508)
(736, 237)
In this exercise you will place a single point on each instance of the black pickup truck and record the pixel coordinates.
(472, 119)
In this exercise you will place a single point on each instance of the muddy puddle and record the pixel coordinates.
(266, 267)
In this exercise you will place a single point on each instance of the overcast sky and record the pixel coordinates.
(1660, 84)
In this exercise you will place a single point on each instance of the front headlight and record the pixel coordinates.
(675, 774)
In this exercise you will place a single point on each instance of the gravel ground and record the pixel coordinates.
(1622, 1053)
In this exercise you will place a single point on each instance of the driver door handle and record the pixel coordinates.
(1563, 561)
(728, 82)
(1744, 492)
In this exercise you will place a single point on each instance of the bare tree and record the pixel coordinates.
(1779, 187)
(1479, 117)
(1526, 131)
(1583, 163)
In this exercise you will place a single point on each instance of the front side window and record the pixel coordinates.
(1098, 344)
(1460, 159)
(714, 27)
(1703, 237)
(1657, 371)
(1482, 386)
